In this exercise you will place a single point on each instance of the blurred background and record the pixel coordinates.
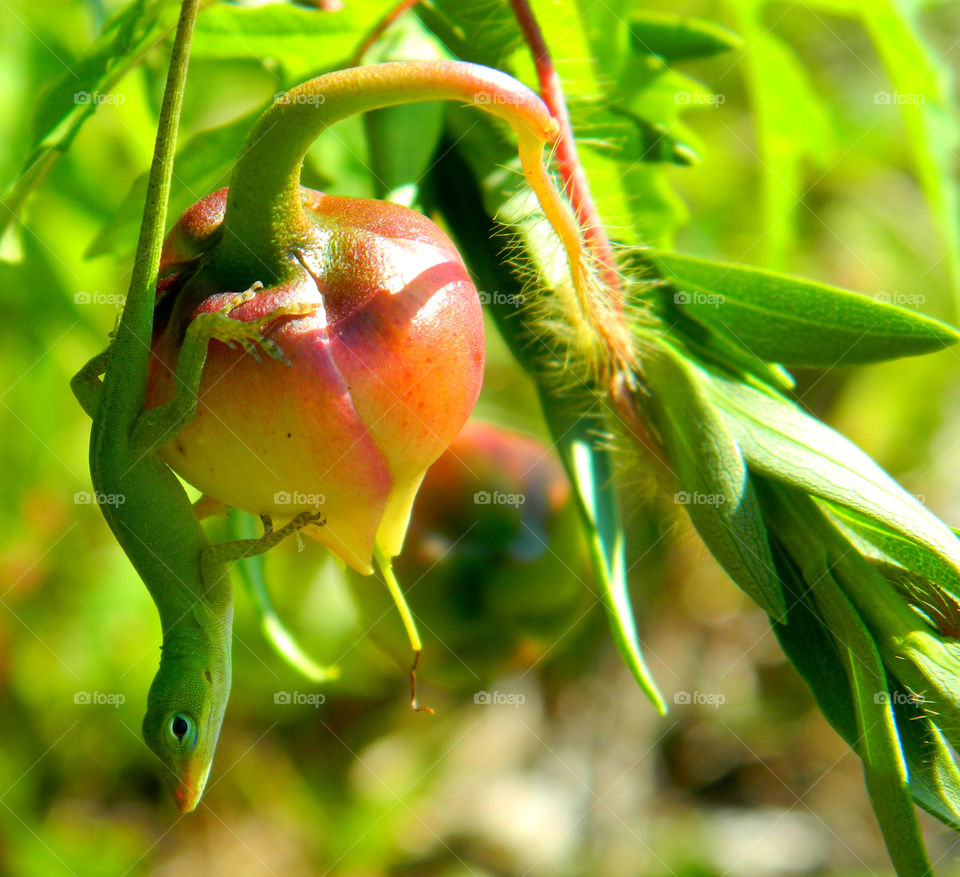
(824, 145)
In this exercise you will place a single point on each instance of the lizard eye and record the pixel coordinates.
(182, 732)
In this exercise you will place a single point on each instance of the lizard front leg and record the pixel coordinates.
(156, 427)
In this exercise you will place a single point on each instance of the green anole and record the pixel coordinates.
(155, 524)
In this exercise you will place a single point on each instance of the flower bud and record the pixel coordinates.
(384, 370)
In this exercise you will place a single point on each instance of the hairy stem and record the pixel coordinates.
(575, 183)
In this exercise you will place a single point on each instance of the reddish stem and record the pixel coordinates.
(575, 183)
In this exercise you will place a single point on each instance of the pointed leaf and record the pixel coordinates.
(591, 473)
(780, 441)
(785, 319)
(878, 742)
(714, 485)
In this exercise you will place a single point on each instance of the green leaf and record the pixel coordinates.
(202, 163)
(891, 546)
(780, 441)
(934, 777)
(796, 322)
(591, 473)
(77, 94)
(677, 38)
(714, 485)
(878, 740)
(812, 649)
(301, 39)
(923, 92)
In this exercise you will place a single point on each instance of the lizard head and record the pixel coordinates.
(185, 709)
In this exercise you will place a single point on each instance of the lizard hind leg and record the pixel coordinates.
(250, 568)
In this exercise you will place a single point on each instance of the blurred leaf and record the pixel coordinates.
(624, 136)
(792, 127)
(714, 485)
(75, 96)
(119, 47)
(298, 37)
(201, 161)
(798, 322)
(678, 38)
(780, 441)
(591, 473)
(923, 92)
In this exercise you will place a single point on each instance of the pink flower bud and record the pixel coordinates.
(385, 369)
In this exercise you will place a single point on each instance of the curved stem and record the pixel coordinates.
(264, 219)
(571, 171)
(385, 562)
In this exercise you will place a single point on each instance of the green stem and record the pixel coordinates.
(121, 400)
(265, 221)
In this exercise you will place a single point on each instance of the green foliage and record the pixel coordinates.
(719, 401)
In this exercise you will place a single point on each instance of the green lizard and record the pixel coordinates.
(155, 523)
